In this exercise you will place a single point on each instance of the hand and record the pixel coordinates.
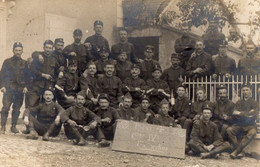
(157, 115)
(26, 120)
(73, 54)
(199, 70)
(178, 126)
(3, 90)
(47, 76)
(70, 98)
(228, 75)
(86, 128)
(57, 120)
(197, 117)
(225, 117)
(148, 114)
(25, 90)
(94, 100)
(93, 125)
(85, 73)
(137, 89)
(61, 74)
(72, 123)
(236, 112)
(140, 60)
(160, 90)
(181, 79)
(208, 148)
(107, 120)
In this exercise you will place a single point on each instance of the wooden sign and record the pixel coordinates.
(149, 139)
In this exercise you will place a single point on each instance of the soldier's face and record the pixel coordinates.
(59, 47)
(165, 108)
(98, 29)
(148, 54)
(80, 100)
(200, 94)
(92, 69)
(145, 104)
(18, 51)
(122, 57)
(48, 96)
(157, 74)
(206, 114)
(246, 92)
(109, 69)
(103, 103)
(135, 72)
(250, 49)
(123, 35)
(77, 38)
(48, 48)
(104, 55)
(181, 92)
(72, 68)
(222, 50)
(127, 102)
(222, 94)
(199, 46)
(185, 29)
(175, 62)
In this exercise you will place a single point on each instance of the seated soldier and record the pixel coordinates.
(108, 116)
(67, 86)
(205, 137)
(181, 110)
(125, 111)
(44, 119)
(80, 122)
(157, 89)
(197, 106)
(134, 85)
(143, 113)
(223, 109)
(163, 118)
(111, 85)
(244, 125)
(123, 66)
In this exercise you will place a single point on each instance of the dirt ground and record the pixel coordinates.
(15, 150)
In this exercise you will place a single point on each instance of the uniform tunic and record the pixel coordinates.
(224, 65)
(123, 69)
(249, 66)
(126, 114)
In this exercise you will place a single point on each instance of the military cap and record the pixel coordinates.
(164, 101)
(103, 49)
(157, 67)
(48, 42)
(200, 88)
(135, 66)
(77, 32)
(128, 95)
(103, 96)
(73, 62)
(207, 107)
(82, 93)
(58, 40)
(145, 97)
(51, 89)
(17, 44)
(246, 84)
(175, 55)
(149, 48)
(181, 85)
(221, 87)
(98, 22)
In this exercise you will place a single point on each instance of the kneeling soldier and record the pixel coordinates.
(80, 122)
(205, 137)
(44, 119)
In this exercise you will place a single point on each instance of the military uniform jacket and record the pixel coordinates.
(81, 115)
(221, 108)
(45, 113)
(207, 134)
(197, 107)
(249, 66)
(172, 75)
(246, 118)
(126, 114)
(60, 58)
(165, 120)
(140, 115)
(147, 69)
(13, 74)
(108, 113)
(123, 69)
(69, 82)
(181, 108)
(154, 95)
(223, 65)
(90, 83)
(127, 47)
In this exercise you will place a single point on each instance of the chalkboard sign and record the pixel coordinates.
(149, 139)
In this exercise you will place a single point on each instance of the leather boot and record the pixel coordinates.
(26, 131)
(48, 133)
(32, 135)
(13, 129)
(3, 129)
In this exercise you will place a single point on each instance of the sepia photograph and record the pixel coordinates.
(130, 83)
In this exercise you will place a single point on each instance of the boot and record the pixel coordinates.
(104, 143)
(3, 129)
(48, 133)
(33, 135)
(26, 131)
(13, 129)
(82, 141)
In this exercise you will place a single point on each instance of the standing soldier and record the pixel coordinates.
(97, 40)
(245, 115)
(57, 53)
(125, 46)
(77, 51)
(13, 86)
(148, 63)
(123, 66)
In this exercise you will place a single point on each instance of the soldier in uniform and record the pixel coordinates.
(244, 116)
(57, 53)
(77, 51)
(13, 74)
(134, 85)
(68, 86)
(97, 40)
(111, 85)
(125, 46)
(173, 75)
(205, 137)
(143, 113)
(157, 89)
(223, 109)
(125, 111)
(80, 122)
(148, 63)
(200, 63)
(123, 66)
(108, 116)
(44, 119)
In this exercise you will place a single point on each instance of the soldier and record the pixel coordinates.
(143, 113)
(181, 110)
(123, 66)
(244, 116)
(77, 51)
(13, 74)
(108, 116)
(200, 63)
(125, 46)
(173, 75)
(222, 111)
(125, 111)
(57, 53)
(134, 85)
(44, 119)
(148, 63)
(68, 86)
(157, 89)
(97, 40)
(223, 64)
(80, 122)
(111, 85)
(205, 137)
(163, 118)
(213, 38)
(184, 46)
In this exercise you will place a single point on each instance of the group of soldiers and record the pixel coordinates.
(88, 87)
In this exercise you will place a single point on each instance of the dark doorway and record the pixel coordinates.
(140, 42)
